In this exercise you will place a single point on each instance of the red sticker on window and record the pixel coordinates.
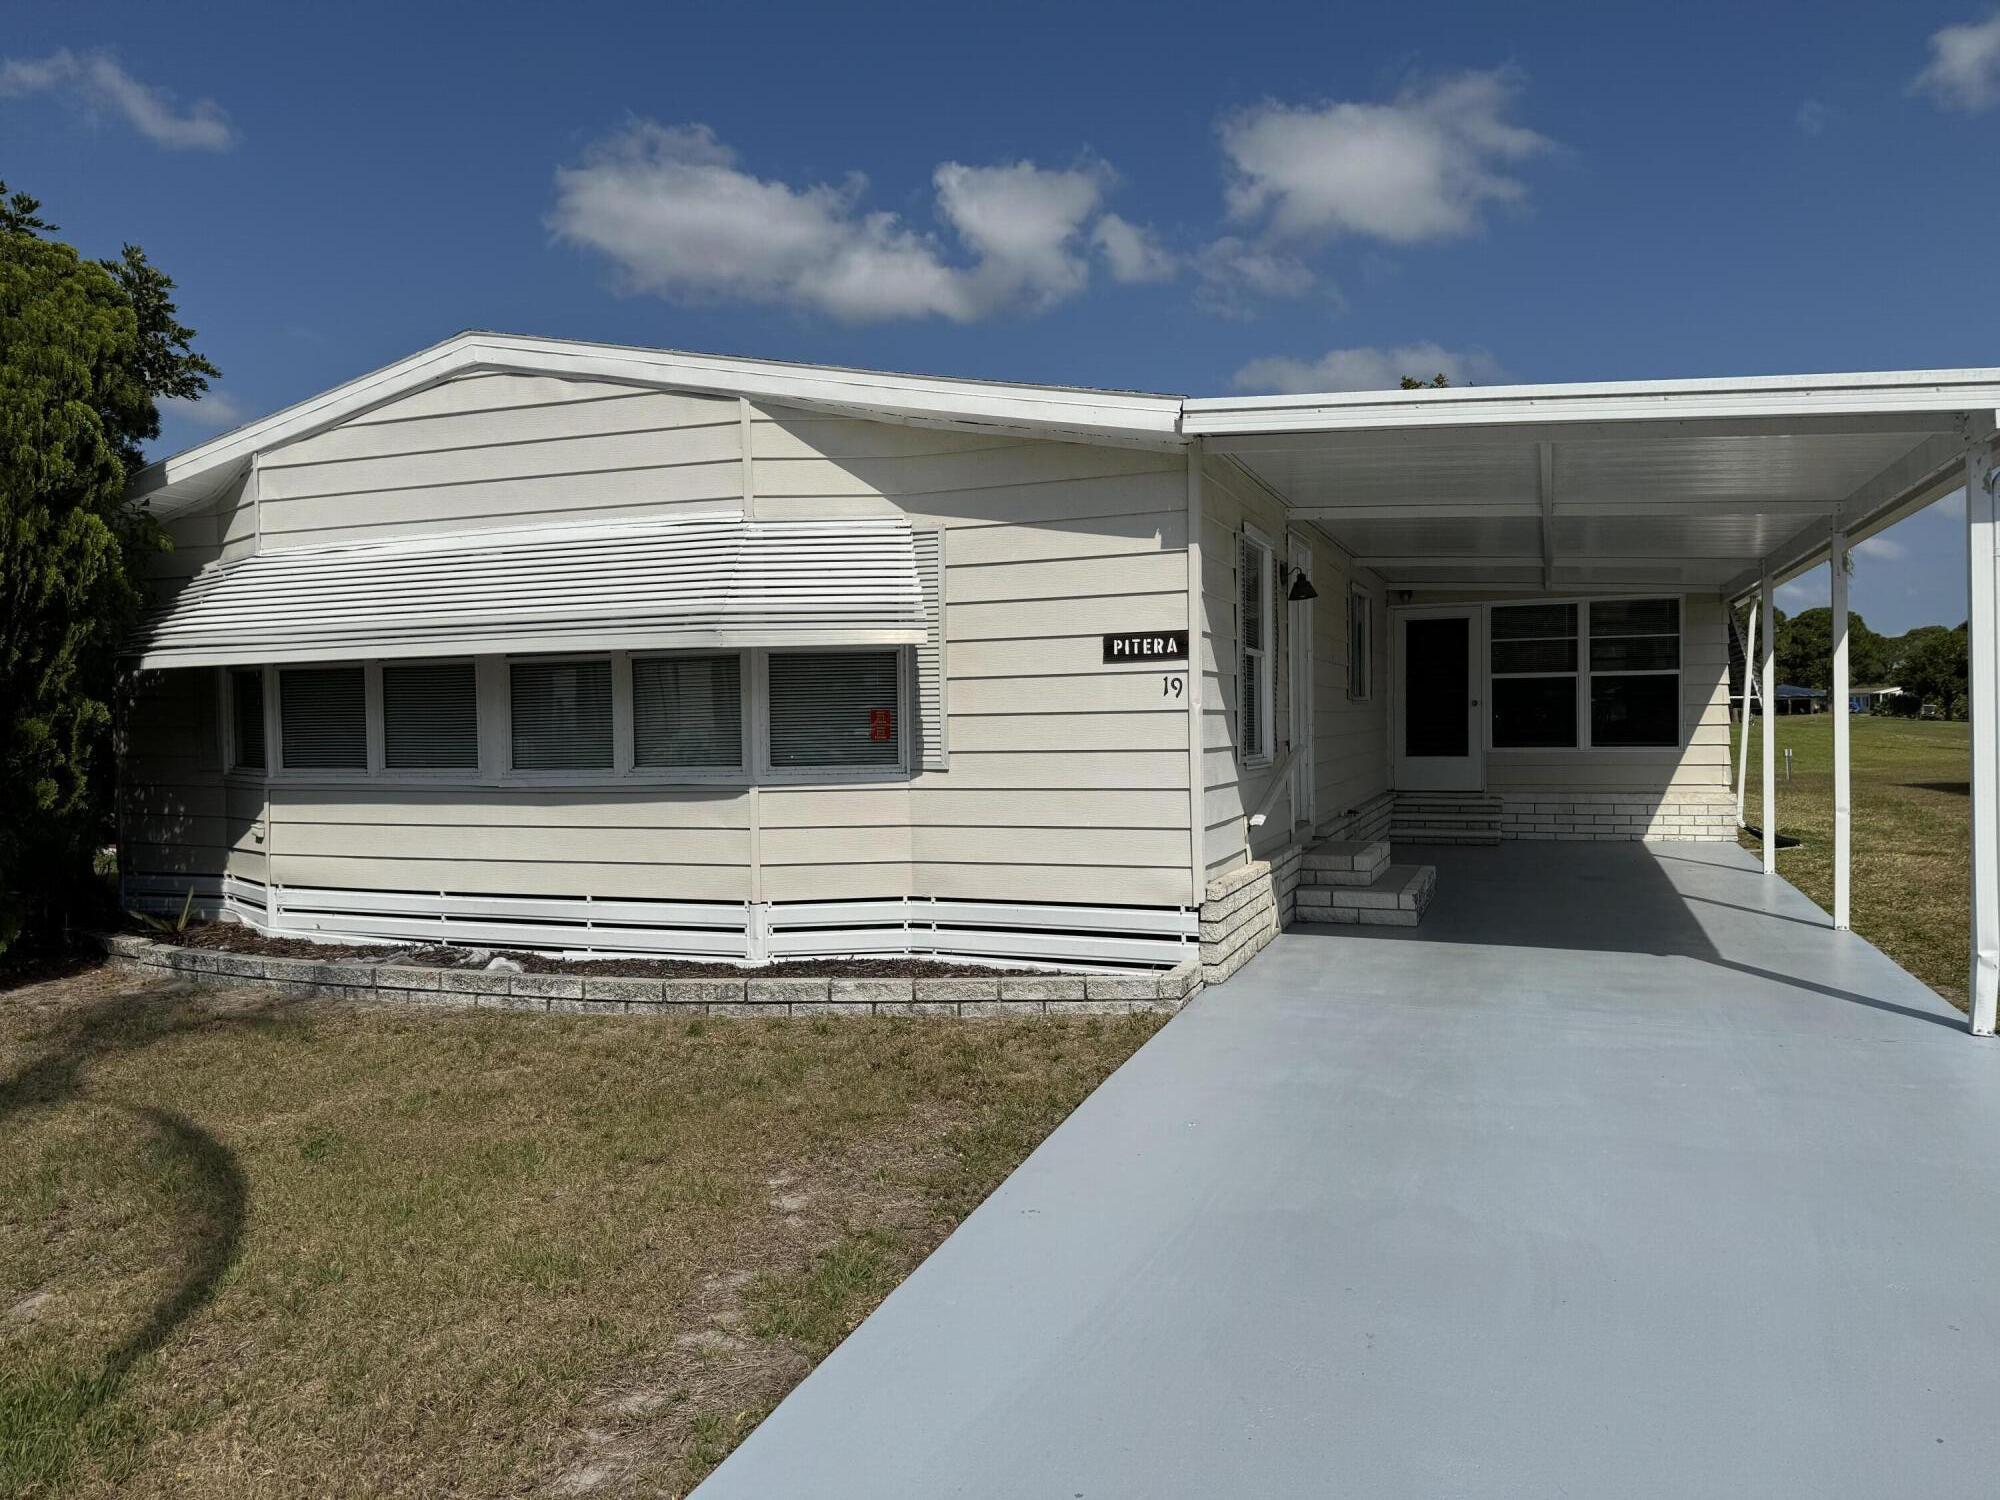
(881, 724)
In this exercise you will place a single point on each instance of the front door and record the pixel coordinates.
(1435, 716)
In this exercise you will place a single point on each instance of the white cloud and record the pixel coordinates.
(1881, 549)
(1133, 252)
(1811, 117)
(214, 410)
(675, 214)
(1234, 272)
(1422, 167)
(1806, 592)
(1368, 369)
(100, 84)
(1964, 70)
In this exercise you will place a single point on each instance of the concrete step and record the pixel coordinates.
(1344, 862)
(1435, 835)
(1396, 898)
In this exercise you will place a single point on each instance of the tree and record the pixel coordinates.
(1436, 382)
(1930, 668)
(86, 348)
(1805, 650)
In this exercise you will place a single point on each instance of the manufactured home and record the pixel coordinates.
(529, 643)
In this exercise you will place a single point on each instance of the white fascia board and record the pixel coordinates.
(1051, 412)
(530, 643)
(1770, 396)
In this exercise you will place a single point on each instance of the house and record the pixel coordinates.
(1792, 699)
(535, 643)
(1872, 699)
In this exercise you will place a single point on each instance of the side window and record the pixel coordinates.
(430, 716)
(835, 710)
(323, 718)
(561, 715)
(1253, 636)
(1360, 646)
(687, 712)
(246, 719)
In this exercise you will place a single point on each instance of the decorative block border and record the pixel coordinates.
(757, 993)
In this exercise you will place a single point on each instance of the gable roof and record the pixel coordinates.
(1129, 418)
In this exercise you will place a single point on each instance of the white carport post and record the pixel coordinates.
(1843, 803)
(1767, 678)
(1982, 538)
(1749, 692)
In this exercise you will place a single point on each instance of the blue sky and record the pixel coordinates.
(1196, 200)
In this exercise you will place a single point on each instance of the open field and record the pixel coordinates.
(259, 1247)
(1912, 834)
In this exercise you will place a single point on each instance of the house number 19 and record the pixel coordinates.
(1172, 687)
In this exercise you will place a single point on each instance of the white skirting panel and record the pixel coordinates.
(994, 932)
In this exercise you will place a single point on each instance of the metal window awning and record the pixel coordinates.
(720, 582)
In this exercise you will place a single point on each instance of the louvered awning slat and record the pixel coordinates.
(712, 582)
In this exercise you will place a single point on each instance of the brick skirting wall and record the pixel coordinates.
(1704, 815)
(762, 994)
(1244, 908)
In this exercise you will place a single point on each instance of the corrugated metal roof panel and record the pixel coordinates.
(715, 581)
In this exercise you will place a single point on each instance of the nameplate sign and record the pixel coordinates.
(1148, 646)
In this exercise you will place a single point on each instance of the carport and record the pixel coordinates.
(1730, 487)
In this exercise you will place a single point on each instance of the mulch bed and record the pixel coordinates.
(232, 937)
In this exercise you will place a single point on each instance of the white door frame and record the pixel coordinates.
(1299, 620)
(1440, 773)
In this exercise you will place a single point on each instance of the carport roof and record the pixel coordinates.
(1693, 485)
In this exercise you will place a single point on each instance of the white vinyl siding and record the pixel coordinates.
(1254, 717)
(1066, 782)
(496, 450)
(834, 710)
(323, 718)
(246, 720)
(430, 716)
(687, 712)
(560, 715)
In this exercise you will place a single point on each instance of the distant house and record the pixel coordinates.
(1871, 700)
(1800, 700)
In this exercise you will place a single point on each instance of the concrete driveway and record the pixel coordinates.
(1623, 1175)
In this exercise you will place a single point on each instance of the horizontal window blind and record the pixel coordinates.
(430, 717)
(323, 715)
(561, 715)
(246, 719)
(687, 711)
(835, 709)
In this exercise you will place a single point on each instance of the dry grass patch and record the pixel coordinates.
(1912, 834)
(259, 1247)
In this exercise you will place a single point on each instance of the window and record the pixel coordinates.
(246, 719)
(323, 718)
(430, 716)
(1253, 678)
(1635, 667)
(1360, 645)
(834, 710)
(687, 712)
(1603, 675)
(561, 715)
(1534, 676)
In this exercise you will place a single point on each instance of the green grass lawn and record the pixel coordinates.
(259, 1247)
(1912, 834)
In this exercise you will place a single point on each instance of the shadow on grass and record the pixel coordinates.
(51, 1417)
(1950, 788)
